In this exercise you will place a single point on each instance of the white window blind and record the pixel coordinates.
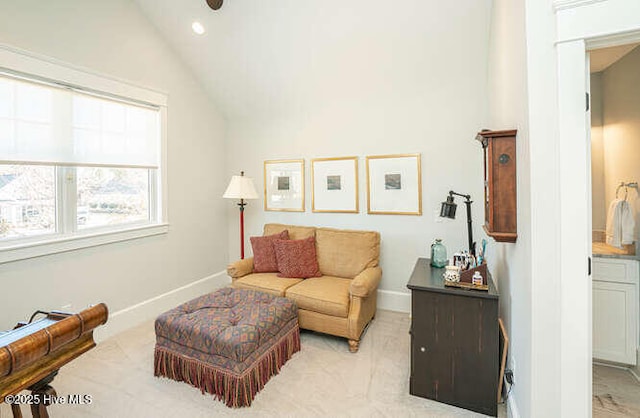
(42, 123)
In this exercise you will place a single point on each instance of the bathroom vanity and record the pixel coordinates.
(615, 307)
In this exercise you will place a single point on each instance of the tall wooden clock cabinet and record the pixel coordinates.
(500, 204)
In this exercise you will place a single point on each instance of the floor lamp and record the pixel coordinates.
(241, 187)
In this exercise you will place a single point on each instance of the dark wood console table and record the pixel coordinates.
(454, 341)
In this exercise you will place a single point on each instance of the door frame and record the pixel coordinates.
(588, 26)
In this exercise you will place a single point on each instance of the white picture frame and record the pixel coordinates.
(284, 185)
(394, 184)
(334, 185)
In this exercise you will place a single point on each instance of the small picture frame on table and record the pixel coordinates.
(334, 185)
(284, 185)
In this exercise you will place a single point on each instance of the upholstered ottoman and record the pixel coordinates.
(227, 343)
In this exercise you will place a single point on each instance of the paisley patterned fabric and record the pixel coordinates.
(297, 258)
(231, 323)
(227, 343)
(264, 255)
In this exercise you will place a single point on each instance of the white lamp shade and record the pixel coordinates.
(240, 187)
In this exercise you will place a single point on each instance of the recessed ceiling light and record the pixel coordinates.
(197, 28)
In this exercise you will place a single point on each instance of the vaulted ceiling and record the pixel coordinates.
(258, 57)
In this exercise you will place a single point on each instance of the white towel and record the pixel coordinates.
(620, 223)
(628, 223)
(614, 237)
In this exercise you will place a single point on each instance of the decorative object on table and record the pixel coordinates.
(241, 187)
(477, 279)
(466, 279)
(448, 210)
(464, 260)
(438, 254)
(394, 185)
(500, 207)
(482, 252)
(284, 185)
(451, 274)
(473, 275)
(334, 185)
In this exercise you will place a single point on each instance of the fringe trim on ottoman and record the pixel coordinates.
(235, 390)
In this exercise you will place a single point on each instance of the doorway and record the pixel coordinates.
(581, 26)
(614, 86)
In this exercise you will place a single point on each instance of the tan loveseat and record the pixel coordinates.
(343, 300)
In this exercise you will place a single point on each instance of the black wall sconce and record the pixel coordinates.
(448, 210)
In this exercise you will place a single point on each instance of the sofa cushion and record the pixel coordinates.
(266, 282)
(295, 231)
(264, 255)
(297, 258)
(345, 253)
(327, 295)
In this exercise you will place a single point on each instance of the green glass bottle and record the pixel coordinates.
(438, 254)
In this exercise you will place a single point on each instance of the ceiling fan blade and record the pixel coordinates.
(215, 4)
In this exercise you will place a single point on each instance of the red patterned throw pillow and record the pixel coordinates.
(264, 255)
(297, 258)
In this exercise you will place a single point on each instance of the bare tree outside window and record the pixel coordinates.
(27, 201)
(111, 196)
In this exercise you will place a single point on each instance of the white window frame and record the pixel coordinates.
(39, 66)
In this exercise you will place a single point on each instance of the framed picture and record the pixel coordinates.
(394, 185)
(284, 185)
(334, 185)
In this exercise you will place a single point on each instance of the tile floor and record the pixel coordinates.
(616, 393)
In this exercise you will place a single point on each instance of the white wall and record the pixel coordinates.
(403, 82)
(114, 38)
(542, 362)
(621, 127)
(599, 200)
(511, 263)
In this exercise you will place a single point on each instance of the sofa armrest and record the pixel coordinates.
(240, 268)
(366, 282)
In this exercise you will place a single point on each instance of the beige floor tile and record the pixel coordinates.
(616, 393)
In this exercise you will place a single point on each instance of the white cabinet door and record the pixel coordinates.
(615, 313)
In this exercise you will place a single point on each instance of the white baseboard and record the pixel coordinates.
(149, 309)
(390, 300)
(146, 310)
(512, 408)
(635, 370)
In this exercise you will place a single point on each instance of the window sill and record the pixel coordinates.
(57, 245)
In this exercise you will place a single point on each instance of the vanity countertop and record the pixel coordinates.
(601, 249)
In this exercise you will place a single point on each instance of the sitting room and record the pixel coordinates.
(300, 208)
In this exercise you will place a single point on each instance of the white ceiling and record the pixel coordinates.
(261, 55)
(601, 59)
